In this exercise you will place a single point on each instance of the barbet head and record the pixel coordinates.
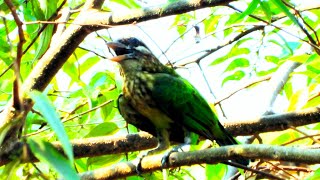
(133, 55)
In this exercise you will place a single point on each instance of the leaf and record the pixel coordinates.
(315, 175)
(251, 7)
(43, 11)
(238, 63)
(43, 104)
(127, 3)
(45, 39)
(10, 170)
(211, 23)
(266, 9)
(106, 128)
(298, 100)
(288, 89)
(235, 51)
(238, 75)
(272, 59)
(106, 109)
(88, 63)
(106, 160)
(284, 137)
(285, 10)
(300, 58)
(71, 70)
(47, 153)
(215, 171)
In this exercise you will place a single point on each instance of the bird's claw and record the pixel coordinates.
(165, 158)
(138, 166)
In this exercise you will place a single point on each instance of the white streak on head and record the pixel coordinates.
(143, 49)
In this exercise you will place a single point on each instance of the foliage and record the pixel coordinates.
(80, 102)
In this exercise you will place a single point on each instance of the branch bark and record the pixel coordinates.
(135, 142)
(276, 122)
(208, 156)
(91, 147)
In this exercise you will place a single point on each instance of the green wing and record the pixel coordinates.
(177, 98)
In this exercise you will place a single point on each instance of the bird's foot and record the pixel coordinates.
(138, 166)
(165, 158)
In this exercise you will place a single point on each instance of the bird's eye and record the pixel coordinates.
(143, 50)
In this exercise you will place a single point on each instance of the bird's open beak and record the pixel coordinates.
(114, 46)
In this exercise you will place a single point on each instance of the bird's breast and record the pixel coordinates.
(137, 89)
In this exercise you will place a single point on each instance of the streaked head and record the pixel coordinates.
(129, 48)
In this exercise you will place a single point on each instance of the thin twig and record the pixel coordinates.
(311, 137)
(76, 116)
(16, 64)
(251, 83)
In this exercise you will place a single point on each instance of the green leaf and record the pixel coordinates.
(300, 58)
(43, 10)
(39, 14)
(298, 100)
(45, 39)
(266, 9)
(285, 10)
(10, 170)
(211, 23)
(181, 29)
(106, 109)
(266, 72)
(238, 75)
(315, 175)
(235, 51)
(43, 104)
(215, 171)
(71, 70)
(127, 3)
(272, 59)
(288, 89)
(252, 6)
(47, 153)
(106, 160)
(284, 137)
(88, 63)
(106, 128)
(238, 63)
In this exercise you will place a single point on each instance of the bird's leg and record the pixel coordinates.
(164, 143)
(187, 141)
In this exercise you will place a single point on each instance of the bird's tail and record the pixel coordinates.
(227, 139)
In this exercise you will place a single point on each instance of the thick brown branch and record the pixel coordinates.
(97, 146)
(277, 122)
(136, 142)
(209, 156)
(139, 15)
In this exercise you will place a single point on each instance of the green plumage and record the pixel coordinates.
(157, 100)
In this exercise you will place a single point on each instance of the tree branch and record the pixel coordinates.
(277, 82)
(208, 156)
(135, 142)
(91, 147)
(276, 122)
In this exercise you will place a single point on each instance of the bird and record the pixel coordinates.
(156, 99)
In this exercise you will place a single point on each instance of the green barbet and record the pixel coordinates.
(158, 100)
